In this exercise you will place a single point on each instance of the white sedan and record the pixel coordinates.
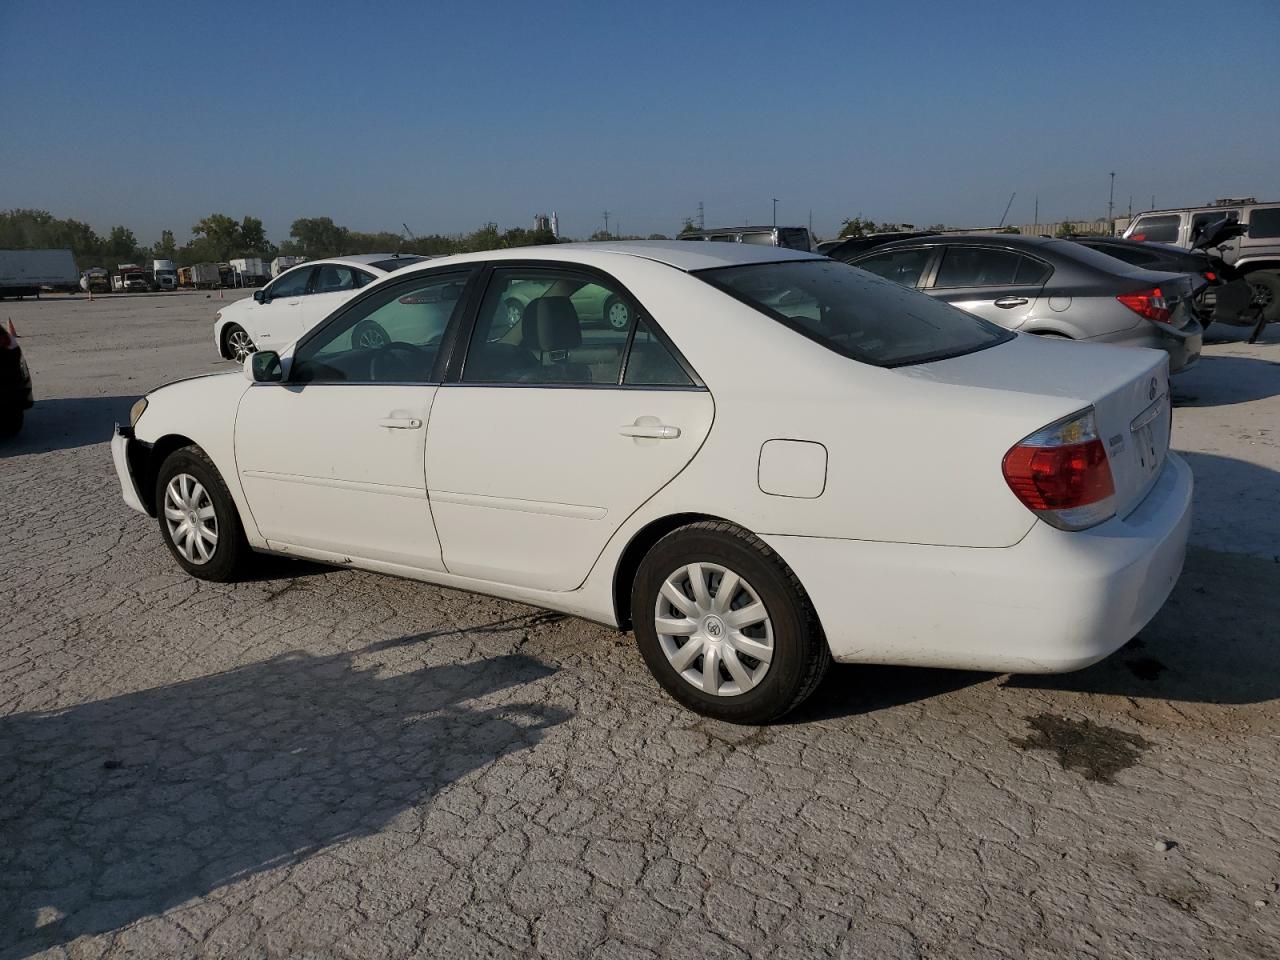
(780, 461)
(297, 300)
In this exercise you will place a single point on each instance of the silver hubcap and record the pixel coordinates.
(515, 313)
(241, 345)
(714, 628)
(1261, 294)
(619, 315)
(189, 515)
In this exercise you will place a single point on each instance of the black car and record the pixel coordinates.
(1198, 261)
(15, 383)
(849, 247)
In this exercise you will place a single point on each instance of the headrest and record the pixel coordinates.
(550, 323)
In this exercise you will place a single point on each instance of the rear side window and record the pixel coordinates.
(1031, 272)
(900, 266)
(855, 313)
(334, 278)
(1264, 222)
(1161, 229)
(794, 238)
(977, 267)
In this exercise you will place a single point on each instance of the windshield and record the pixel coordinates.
(856, 313)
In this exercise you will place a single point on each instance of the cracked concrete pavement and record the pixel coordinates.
(331, 763)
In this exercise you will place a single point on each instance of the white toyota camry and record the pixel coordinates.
(298, 299)
(778, 461)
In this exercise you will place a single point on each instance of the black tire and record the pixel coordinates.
(11, 423)
(228, 349)
(369, 334)
(1266, 287)
(800, 655)
(230, 556)
(623, 320)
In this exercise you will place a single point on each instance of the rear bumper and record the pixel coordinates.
(1183, 346)
(1054, 602)
(122, 456)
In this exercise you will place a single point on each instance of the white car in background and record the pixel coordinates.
(297, 300)
(782, 460)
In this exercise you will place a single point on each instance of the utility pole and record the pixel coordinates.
(1153, 202)
(1006, 208)
(811, 221)
(606, 223)
(775, 211)
(1111, 202)
(1036, 228)
(702, 223)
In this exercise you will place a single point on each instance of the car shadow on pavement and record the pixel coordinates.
(1214, 642)
(122, 808)
(1220, 381)
(858, 688)
(63, 423)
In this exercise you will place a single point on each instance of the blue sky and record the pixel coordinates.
(447, 115)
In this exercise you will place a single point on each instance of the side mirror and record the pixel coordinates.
(264, 367)
(261, 296)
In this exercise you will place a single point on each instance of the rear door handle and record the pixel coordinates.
(400, 423)
(650, 431)
(1007, 302)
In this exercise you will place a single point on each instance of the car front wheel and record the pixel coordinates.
(238, 345)
(725, 626)
(198, 519)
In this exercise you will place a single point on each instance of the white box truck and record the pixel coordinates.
(24, 272)
(248, 272)
(165, 273)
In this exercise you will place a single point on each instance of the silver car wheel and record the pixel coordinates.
(619, 316)
(714, 629)
(190, 518)
(240, 344)
(371, 338)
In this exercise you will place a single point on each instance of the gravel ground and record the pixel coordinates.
(332, 763)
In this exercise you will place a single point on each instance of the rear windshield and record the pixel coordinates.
(856, 313)
(396, 263)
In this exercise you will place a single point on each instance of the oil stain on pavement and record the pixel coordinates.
(1096, 752)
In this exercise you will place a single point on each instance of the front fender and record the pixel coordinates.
(200, 411)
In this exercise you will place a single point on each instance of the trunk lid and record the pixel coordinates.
(1128, 388)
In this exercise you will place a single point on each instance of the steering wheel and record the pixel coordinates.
(398, 361)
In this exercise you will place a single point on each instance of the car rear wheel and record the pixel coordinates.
(237, 344)
(724, 625)
(198, 519)
(1266, 292)
(515, 311)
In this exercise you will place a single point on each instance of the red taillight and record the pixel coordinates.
(1150, 304)
(1062, 474)
(1138, 236)
(1210, 276)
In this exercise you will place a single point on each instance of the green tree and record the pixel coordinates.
(1010, 230)
(121, 245)
(165, 248)
(319, 237)
(689, 226)
(1065, 229)
(858, 227)
(217, 237)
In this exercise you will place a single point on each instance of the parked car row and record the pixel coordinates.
(745, 471)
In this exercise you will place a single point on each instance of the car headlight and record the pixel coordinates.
(135, 412)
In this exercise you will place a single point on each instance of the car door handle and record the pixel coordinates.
(400, 423)
(1007, 302)
(650, 431)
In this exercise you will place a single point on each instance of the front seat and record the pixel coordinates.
(550, 329)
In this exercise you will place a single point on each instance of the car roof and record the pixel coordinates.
(362, 260)
(680, 254)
